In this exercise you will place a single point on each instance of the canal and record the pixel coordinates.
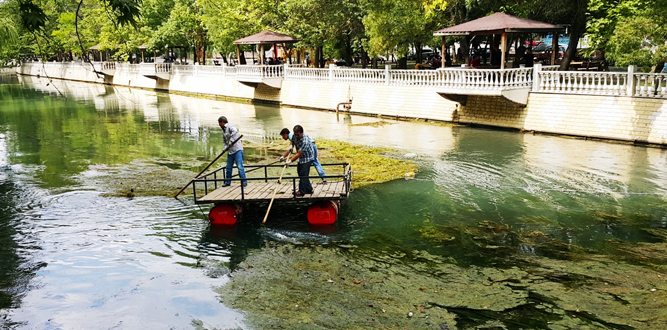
(497, 230)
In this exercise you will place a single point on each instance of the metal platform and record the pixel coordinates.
(261, 187)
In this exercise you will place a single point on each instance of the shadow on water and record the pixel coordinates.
(531, 315)
(17, 244)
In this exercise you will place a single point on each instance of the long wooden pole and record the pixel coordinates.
(209, 165)
(256, 168)
(280, 180)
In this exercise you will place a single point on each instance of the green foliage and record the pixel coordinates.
(126, 11)
(638, 40)
(340, 28)
(33, 17)
(180, 29)
(395, 25)
(630, 32)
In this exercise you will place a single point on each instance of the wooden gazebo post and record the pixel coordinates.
(503, 46)
(444, 53)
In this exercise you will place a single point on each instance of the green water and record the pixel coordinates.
(545, 232)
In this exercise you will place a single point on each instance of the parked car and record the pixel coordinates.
(544, 57)
(426, 53)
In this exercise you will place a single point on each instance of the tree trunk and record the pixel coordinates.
(348, 49)
(403, 63)
(465, 50)
(364, 58)
(577, 28)
(321, 54)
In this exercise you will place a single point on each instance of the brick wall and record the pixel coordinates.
(613, 117)
(493, 111)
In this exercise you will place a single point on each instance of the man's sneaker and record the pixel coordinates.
(226, 185)
(244, 184)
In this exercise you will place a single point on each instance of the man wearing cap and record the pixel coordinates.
(235, 151)
(305, 155)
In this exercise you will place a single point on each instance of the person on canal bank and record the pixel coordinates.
(305, 155)
(235, 151)
(528, 58)
(476, 62)
(285, 133)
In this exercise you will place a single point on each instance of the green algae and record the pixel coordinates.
(315, 287)
(375, 123)
(166, 176)
(138, 178)
(369, 164)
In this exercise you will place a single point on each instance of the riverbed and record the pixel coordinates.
(497, 229)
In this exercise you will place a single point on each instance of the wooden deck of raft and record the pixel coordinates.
(259, 191)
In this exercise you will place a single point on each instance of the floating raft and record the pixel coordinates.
(257, 191)
(229, 200)
(260, 187)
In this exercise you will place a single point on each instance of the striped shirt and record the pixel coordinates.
(306, 146)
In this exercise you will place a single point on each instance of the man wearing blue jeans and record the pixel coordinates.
(285, 133)
(234, 153)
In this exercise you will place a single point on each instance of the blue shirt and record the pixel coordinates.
(306, 147)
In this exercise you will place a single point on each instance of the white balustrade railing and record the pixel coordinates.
(651, 85)
(182, 69)
(147, 68)
(230, 70)
(253, 72)
(363, 76)
(108, 66)
(461, 78)
(306, 74)
(541, 78)
(132, 68)
(163, 68)
(574, 82)
(415, 77)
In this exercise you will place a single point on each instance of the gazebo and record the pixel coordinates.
(503, 24)
(264, 38)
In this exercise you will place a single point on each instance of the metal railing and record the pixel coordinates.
(210, 181)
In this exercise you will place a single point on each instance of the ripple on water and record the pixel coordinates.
(134, 260)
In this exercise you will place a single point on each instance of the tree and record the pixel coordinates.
(628, 31)
(183, 28)
(639, 40)
(229, 20)
(396, 26)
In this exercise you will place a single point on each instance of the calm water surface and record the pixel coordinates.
(72, 259)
